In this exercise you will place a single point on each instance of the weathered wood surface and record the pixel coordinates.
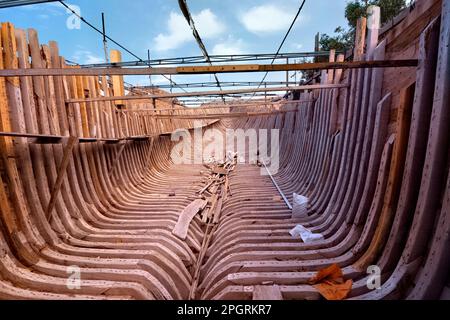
(210, 69)
(184, 220)
(374, 167)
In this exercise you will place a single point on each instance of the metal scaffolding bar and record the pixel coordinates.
(213, 84)
(17, 3)
(208, 93)
(213, 59)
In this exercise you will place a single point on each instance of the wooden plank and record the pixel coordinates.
(213, 202)
(26, 83)
(360, 39)
(50, 98)
(117, 81)
(79, 90)
(212, 92)
(218, 209)
(108, 110)
(210, 69)
(61, 172)
(435, 166)
(59, 89)
(184, 220)
(223, 107)
(373, 27)
(394, 181)
(304, 66)
(415, 157)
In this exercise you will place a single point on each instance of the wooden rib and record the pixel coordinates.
(118, 227)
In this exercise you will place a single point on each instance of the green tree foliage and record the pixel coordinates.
(341, 41)
(355, 9)
(390, 8)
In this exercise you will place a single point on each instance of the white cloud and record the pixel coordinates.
(229, 47)
(268, 18)
(145, 80)
(50, 8)
(86, 57)
(297, 46)
(179, 32)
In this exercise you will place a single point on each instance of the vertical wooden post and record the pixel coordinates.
(149, 76)
(117, 81)
(316, 45)
(338, 72)
(332, 58)
(373, 26)
(265, 95)
(109, 109)
(118, 90)
(59, 89)
(287, 74)
(360, 38)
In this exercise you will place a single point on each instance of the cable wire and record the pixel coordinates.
(110, 39)
(284, 40)
(185, 10)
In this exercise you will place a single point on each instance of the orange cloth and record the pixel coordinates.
(330, 283)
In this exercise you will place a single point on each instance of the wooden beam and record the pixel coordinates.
(223, 115)
(55, 139)
(61, 172)
(373, 27)
(223, 106)
(209, 93)
(208, 69)
(117, 81)
(360, 39)
(298, 66)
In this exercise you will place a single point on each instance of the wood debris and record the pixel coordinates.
(217, 187)
(186, 216)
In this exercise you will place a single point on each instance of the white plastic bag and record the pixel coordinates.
(300, 206)
(300, 232)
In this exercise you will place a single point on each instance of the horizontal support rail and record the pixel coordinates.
(222, 106)
(212, 59)
(223, 115)
(208, 93)
(214, 84)
(208, 69)
(55, 139)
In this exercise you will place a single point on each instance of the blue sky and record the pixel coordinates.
(226, 26)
